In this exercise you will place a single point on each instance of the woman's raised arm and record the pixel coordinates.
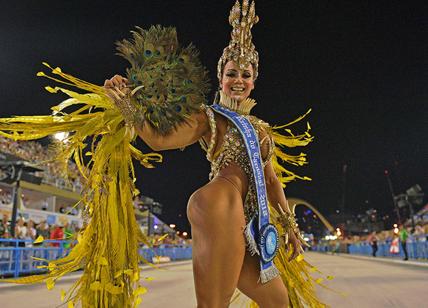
(185, 134)
(195, 127)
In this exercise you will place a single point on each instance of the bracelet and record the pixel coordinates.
(288, 222)
(130, 112)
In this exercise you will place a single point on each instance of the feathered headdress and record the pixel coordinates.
(241, 48)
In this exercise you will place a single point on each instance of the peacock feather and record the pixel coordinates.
(170, 79)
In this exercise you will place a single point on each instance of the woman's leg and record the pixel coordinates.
(272, 294)
(216, 215)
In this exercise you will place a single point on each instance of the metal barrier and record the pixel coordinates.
(417, 248)
(175, 253)
(17, 257)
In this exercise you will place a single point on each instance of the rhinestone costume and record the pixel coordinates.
(233, 150)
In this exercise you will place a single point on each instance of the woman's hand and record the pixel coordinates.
(295, 244)
(116, 88)
(117, 81)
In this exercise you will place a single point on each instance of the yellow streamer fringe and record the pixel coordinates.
(107, 247)
(284, 138)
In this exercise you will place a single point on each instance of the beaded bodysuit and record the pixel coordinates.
(233, 150)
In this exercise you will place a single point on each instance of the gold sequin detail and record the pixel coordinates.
(233, 150)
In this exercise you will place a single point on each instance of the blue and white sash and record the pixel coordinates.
(262, 236)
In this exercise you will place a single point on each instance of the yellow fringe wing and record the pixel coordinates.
(107, 247)
(297, 274)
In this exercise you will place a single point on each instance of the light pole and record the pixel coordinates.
(343, 203)
(397, 210)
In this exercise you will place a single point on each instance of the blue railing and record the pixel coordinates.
(417, 248)
(175, 253)
(18, 257)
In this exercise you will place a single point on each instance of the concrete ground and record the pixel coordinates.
(367, 283)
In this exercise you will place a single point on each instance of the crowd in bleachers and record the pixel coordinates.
(5, 197)
(41, 156)
(31, 231)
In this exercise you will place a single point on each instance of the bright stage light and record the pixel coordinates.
(61, 136)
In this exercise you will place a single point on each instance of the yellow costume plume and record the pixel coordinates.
(107, 247)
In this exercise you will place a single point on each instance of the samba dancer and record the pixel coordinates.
(244, 234)
(224, 212)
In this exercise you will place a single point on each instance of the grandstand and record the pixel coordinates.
(48, 195)
(43, 195)
(49, 212)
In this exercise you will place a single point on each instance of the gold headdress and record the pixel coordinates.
(241, 48)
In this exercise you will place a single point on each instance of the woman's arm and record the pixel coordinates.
(275, 192)
(187, 133)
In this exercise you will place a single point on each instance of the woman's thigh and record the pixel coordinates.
(217, 218)
(267, 295)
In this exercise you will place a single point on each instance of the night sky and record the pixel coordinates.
(362, 66)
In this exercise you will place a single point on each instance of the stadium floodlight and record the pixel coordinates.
(401, 200)
(415, 194)
(414, 190)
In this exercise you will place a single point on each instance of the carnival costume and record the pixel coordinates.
(168, 84)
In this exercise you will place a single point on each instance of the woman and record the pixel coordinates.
(235, 233)
(219, 252)
(220, 210)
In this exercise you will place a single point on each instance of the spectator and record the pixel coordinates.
(31, 231)
(43, 230)
(420, 233)
(403, 234)
(5, 198)
(21, 231)
(373, 239)
(394, 249)
(57, 234)
(4, 227)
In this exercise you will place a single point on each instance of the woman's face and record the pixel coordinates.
(237, 83)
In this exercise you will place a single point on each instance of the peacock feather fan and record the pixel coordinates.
(169, 81)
